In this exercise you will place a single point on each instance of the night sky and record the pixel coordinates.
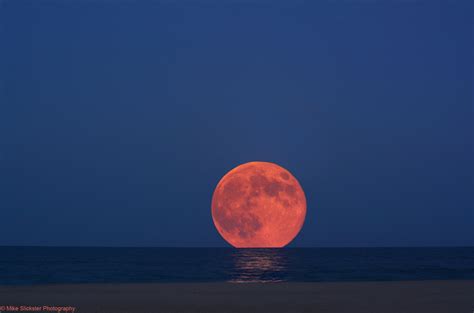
(119, 117)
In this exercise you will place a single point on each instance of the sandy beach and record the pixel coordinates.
(367, 297)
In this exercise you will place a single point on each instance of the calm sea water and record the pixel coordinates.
(35, 265)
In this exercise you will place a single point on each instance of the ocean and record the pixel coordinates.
(62, 265)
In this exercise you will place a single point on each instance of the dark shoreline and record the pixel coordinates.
(364, 297)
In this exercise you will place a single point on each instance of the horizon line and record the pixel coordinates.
(229, 247)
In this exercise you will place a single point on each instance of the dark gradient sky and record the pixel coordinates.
(118, 118)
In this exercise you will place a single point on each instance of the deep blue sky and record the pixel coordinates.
(119, 117)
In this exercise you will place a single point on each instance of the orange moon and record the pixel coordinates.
(258, 205)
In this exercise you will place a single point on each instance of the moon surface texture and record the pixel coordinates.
(258, 205)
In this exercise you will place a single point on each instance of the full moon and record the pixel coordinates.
(258, 205)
